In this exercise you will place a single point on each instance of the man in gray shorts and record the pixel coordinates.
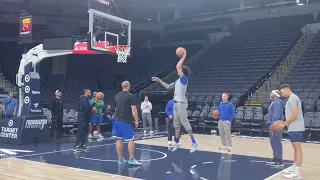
(296, 128)
(180, 113)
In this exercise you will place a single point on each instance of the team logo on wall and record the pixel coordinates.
(10, 123)
(26, 100)
(27, 78)
(27, 89)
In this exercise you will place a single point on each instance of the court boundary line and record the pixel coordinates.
(65, 150)
(276, 174)
(79, 169)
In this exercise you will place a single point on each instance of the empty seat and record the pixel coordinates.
(317, 115)
(309, 115)
(309, 105)
(315, 126)
(258, 110)
(303, 96)
(239, 109)
(257, 123)
(203, 115)
(189, 114)
(198, 108)
(318, 106)
(236, 124)
(247, 118)
(308, 122)
(313, 96)
(195, 114)
(248, 110)
(214, 108)
(205, 109)
(234, 101)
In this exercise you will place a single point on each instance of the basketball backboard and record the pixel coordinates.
(107, 31)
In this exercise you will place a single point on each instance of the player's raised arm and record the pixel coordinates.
(182, 53)
(165, 85)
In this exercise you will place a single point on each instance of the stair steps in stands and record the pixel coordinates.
(5, 85)
(286, 66)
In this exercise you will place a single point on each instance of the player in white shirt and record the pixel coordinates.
(146, 108)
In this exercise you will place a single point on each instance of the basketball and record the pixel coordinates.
(216, 114)
(180, 51)
(275, 127)
(100, 96)
(94, 110)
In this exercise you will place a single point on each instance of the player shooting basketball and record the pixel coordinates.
(180, 100)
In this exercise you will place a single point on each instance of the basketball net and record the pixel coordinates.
(123, 53)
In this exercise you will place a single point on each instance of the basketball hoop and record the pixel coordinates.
(123, 52)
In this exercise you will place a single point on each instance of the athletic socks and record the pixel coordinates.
(177, 140)
(193, 140)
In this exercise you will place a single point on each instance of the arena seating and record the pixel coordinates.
(157, 60)
(235, 65)
(195, 30)
(221, 68)
(304, 79)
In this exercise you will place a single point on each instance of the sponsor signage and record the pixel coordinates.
(82, 48)
(25, 26)
(25, 29)
(36, 123)
(101, 5)
(25, 130)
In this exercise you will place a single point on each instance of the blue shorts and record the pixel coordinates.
(122, 130)
(296, 136)
(96, 119)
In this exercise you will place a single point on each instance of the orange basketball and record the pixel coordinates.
(275, 127)
(100, 96)
(216, 114)
(180, 51)
(94, 110)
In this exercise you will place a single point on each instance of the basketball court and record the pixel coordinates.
(56, 161)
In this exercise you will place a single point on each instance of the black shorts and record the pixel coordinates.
(296, 136)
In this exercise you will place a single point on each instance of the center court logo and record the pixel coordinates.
(36, 124)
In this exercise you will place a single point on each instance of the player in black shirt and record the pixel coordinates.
(57, 115)
(84, 117)
(123, 130)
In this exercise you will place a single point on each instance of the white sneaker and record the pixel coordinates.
(90, 136)
(289, 170)
(151, 132)
(229, 149)
(145, 132)
(100, 136)
(294, 175)
(223, 148)
(170, 144)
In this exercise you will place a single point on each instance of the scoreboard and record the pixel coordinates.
(25, 29)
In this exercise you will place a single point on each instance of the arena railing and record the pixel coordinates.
(278, 70)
